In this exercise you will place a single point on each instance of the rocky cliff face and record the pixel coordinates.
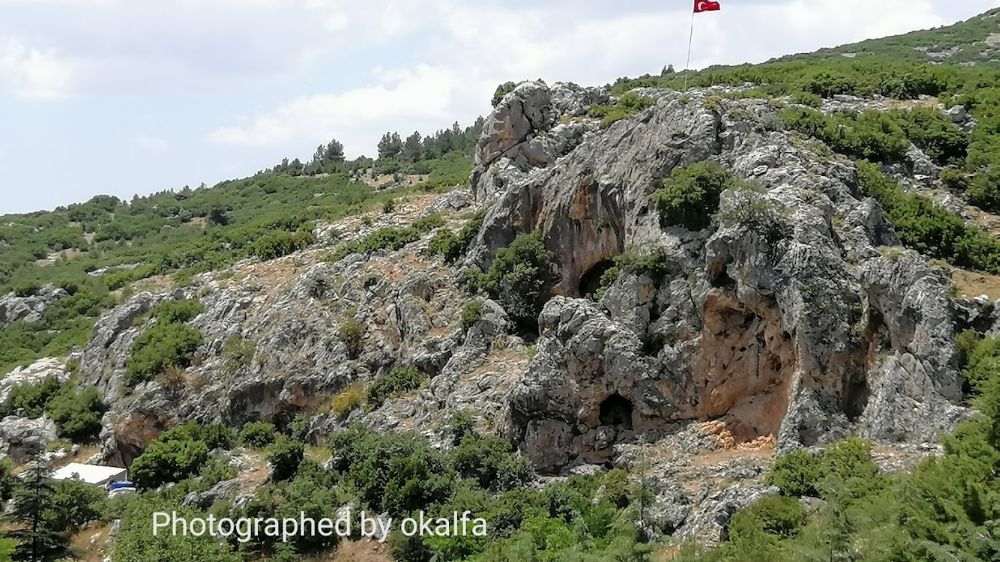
(761, 335)
(799, 336)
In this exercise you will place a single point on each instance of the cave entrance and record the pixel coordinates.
(616, 411)
(590, 281)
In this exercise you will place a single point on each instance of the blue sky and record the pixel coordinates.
(136, 96)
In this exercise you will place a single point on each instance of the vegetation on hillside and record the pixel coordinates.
(97, 248)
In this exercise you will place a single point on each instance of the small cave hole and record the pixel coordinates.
(616, 411)
(590, 282)
(722, 280)
(855, 399)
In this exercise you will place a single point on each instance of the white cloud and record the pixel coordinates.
(35, 74)
(423, 95)
(469, 48)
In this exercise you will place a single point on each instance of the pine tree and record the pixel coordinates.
(33, 494)
(334, 151)
(412, 148)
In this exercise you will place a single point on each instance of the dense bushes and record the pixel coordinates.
(452, 247)
(628, 104)
(388, 238)
(392, 384)
(933, 132)
(928, 228)
(872, 135)
(177, 312)
(690, 196)
(285, 456)
(160, 347)
(168, 343)
(520, 278)
(168, 459)
(472, 312)
(490, 463)
(179, 453)
(653, 264)
(882, 136)
(258, 435)
(30, 400)
(76, 411)
(135, 542)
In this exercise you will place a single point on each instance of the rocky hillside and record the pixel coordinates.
(639, 287)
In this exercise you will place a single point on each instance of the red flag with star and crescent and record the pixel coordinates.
(706, 6)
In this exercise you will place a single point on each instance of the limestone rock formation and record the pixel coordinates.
(794, 320)
(28, 309)
(791, 326)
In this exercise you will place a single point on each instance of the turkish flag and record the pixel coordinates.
(706, 6)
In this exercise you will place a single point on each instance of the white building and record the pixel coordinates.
(93, 474)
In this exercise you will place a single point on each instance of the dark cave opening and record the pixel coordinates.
(590, 282)
(855, 399)
(616, 411)
(722, 280)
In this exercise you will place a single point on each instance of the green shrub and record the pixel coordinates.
(690, 196)
(984, 191)
(391, 472)
(445, 244)
(653, 264)
(520, 278)
(177, 312)
(285, 456)
(7, 479)
(928, 228)
(954, 179)
(423, 225)
(491, 463)
(752, 210)
(394, 383)
(462, 423)
(871, 135)
(280, 243)
(934, 132)
(74, 504)
(77, 413)
(27, 289)
(215, 436)
(780, 516)
(31, 399)
(258, 435)
(472, 312)
(348, 400)
(351, 334)
(501, 91)
(452, 247)
(807, 99)
(161, 347)
(845, 463)
(796, 474)
(237, 353)
(135, 542)
(168, 460)
(627, 105)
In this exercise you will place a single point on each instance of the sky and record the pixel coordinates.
(136, 96)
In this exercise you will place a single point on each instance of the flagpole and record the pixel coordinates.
(687, 66)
